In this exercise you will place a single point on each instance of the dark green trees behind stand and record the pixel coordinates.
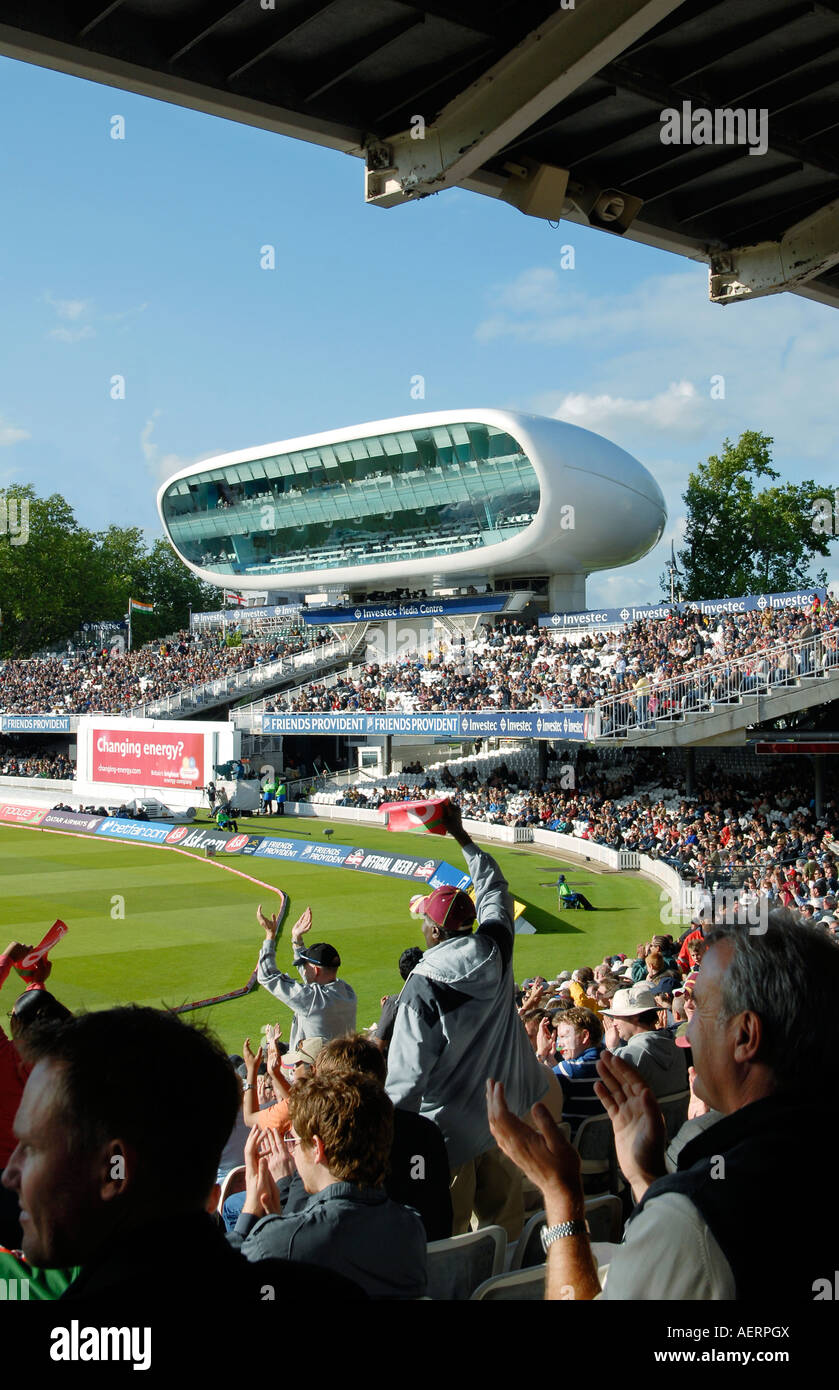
(56, 575)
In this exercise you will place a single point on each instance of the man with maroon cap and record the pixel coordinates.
(457, 1025)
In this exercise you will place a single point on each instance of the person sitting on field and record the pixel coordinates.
(568, 897)
(224, 819)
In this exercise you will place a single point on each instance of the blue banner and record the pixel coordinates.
(359, 722)
(419, 608)
(407, 867)
(712, 607)
(351, 857)
(122, 829)
(576, 724)
(569, 723)
(429, 872)
(35, 723)
(217, 616)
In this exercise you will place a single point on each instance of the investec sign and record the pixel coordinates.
(747, 603)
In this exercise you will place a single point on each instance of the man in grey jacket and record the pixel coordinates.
(632, 1034)
(341, 1140)
(323, 1005)
(457, 1025)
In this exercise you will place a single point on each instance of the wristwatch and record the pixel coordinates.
(248, 1086)
(549, 1234)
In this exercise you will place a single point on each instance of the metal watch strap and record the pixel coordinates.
(565, 1228)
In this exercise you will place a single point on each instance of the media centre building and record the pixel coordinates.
(443, 501)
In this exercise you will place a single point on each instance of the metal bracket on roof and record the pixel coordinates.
(445, 149)
(807, 249)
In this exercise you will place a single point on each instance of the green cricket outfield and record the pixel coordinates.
(151, 926)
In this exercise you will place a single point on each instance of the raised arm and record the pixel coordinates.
(282, 986)
(493, 903)
(250, 1100)
(550, 1162)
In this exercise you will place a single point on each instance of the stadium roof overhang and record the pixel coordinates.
(555, 106)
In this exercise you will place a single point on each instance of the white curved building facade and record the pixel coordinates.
(453, 496)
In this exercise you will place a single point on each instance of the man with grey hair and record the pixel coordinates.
(720, 1226)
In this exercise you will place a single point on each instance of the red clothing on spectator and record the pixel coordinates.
(11, 1090)
(11, 1082)
(683, 958)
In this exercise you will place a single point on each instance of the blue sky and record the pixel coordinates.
(140, 257)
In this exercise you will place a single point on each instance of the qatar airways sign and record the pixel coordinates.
(151, 759)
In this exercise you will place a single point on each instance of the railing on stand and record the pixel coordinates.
(241, 682)
(726, 682)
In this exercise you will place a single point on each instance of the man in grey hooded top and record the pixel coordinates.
(457, 1025)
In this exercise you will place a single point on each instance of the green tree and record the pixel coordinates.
(56, 575)
(44, 578)
(742, 538)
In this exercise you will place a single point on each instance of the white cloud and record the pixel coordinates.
(80, 315)
(161, 466)
(679, 409)
(10, 434)
(635, 363)
(77, 312)
(72, 309)
(126, 314)
(71, 335)
(614, 588)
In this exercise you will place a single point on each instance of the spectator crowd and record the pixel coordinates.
(746, 829)
(346, 1159)
(113, 682)
(28, 761)
(516, 666)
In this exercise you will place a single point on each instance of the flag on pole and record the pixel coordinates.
(136, 606)
(235, 600)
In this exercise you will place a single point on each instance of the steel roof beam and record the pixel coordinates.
(807, 249)
(553, 61)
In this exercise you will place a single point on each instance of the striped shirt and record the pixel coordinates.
(577, 1080)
